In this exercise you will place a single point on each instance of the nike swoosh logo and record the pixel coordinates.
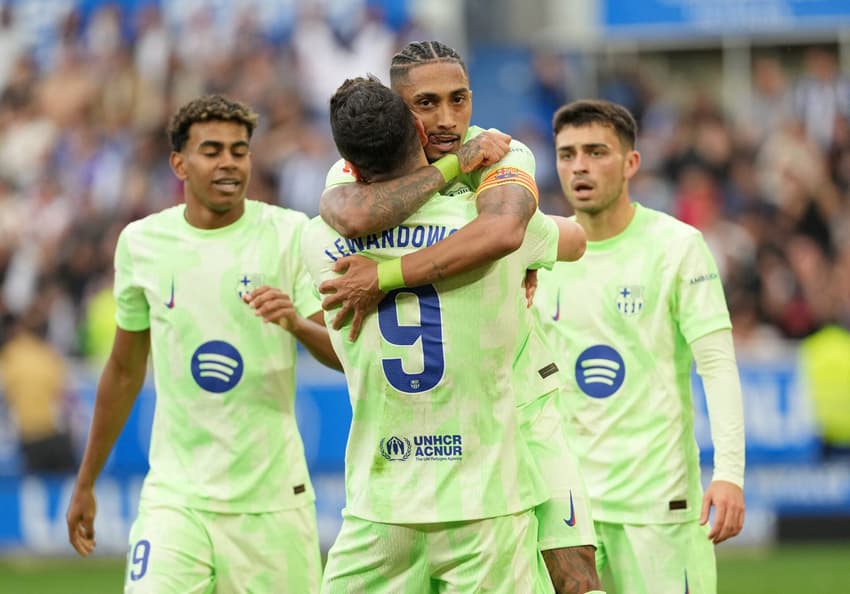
(557, 315)
(170, 303)
(572, 521)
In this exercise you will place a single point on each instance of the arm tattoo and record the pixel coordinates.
(438, 272)
(395, 200)
(512, 199)
(572, 569)
(383, 204)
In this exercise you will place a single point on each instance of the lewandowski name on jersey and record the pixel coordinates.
(403, 236)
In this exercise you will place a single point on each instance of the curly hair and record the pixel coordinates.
(209, 108)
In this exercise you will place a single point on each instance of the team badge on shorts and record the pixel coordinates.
(630, 300)
(248, 281)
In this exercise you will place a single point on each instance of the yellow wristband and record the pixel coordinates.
(449, 166)
(389, 275)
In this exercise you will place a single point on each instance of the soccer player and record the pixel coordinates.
(439, 480)
(216, 290)
(631, 316)
(433, 81)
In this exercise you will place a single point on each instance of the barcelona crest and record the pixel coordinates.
(248, 281)
(630, 300)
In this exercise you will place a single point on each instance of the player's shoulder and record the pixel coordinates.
(339, 173)
(154, 222)
(516, 147)
(266, 213)
(665, 227)
(317, 227)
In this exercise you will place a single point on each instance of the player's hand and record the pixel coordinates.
(354, 292)
(530, 284)
(274, 306)
(485, 149)
(80, 518)
(728, 501)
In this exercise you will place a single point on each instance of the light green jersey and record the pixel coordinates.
(434, 434)
(536, 370)
(224, 436)
(624, 315)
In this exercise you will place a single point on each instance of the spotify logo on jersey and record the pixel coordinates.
(600, 371)
(217, 366)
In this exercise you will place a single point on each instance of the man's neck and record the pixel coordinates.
(607, 223)
(204, 218)
(409, 167)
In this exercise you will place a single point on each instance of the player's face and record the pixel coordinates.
(593, 167)
(438, 93)
(215, 165)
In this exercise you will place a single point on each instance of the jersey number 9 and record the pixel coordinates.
(427, 335)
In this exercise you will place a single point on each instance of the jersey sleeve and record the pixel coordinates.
(132, 311)
(700, 304)
(305, 294)
(339, 174)
(541, 241)
(517, 167)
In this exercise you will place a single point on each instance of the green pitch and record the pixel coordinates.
(809, 569)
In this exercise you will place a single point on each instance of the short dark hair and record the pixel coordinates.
(597, 111)
(418, 53)
(372, 127)
(208, 108)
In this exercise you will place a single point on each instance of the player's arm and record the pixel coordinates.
(357, 209)
(498, 230)
(119, 385)
(312, 333)
(503, 214)
(572, 240)
(276, 307)
(715, 359)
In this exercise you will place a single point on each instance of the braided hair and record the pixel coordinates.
(418, 53)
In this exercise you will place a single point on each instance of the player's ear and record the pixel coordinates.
(178, 165)
(632, 164)
(420, 130)
(354, 171)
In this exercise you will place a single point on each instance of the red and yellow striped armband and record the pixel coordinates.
(510, 175)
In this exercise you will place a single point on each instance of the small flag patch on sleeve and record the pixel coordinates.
(510, 175)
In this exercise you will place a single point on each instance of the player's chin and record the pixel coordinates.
(581, 204)
(438, 152)
(224, 203)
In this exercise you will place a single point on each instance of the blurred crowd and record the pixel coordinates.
(83, 151)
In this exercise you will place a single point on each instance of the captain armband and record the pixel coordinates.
(510, 175)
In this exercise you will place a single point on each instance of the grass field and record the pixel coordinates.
(798, 569)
